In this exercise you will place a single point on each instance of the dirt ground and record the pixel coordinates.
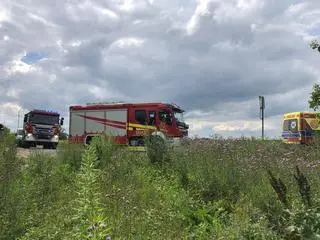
(25, 152)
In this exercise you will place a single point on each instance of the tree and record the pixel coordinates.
(315, 44)
(314, 101)
(4, 130)
(63, 135)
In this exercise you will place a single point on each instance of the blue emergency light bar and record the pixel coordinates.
(45, 111)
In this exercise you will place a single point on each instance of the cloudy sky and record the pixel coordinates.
(212, 57)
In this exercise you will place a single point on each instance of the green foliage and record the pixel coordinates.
(216, 189)
(315, 44)
(62, 134)
(70, 155)
(88, 216)
(4, 130)
(314, 101)
(104, 149)
(10, 172)
(303, 223)
(299, 222)
(47, 185)
(156, 148)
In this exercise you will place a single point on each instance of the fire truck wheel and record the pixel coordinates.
(88, 140)
(138, 141)
(54, 145)
(25, 145)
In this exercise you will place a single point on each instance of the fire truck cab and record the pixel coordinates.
(127, 123)
(41, 127)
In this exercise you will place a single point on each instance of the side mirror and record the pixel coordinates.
(61, 121)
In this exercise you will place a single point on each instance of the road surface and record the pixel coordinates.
(25, 152)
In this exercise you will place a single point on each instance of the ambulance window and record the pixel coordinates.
(290, 125)
(141, 116)
(286, 125)
(305, 125)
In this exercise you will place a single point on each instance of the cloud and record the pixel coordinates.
(212, 57)
(10, 113)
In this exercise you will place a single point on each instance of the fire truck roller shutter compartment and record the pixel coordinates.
(94, 121)
(78, 123)
(116, 124)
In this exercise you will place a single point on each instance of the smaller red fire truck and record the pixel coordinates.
(127, 123)
(41, 127)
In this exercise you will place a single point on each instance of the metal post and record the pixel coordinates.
(262, 110)
(262, 107)
(18, 119)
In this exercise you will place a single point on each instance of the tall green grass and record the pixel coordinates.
(216, 189)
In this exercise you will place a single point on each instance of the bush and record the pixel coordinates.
(70, 154)
(88, 213)
(10, 175)
(156, 148)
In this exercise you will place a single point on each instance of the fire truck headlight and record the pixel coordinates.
(55, 136)
(29, 134)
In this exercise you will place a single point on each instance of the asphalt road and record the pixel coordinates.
(25, 152)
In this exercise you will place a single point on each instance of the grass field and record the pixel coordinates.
(216, 189)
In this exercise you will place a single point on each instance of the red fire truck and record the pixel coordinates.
(41, 127)
(127, 123)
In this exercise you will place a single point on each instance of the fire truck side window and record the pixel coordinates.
(164, 116)
(141, 116)
(152, 117)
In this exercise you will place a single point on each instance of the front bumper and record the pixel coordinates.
(31, 138)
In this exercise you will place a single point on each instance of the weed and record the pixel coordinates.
(280, 189)
(304, 187)
(205, 189)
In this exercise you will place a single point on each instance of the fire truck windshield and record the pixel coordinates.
(44, 119)
(179, 116)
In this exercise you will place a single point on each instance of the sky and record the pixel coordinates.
(211, 57)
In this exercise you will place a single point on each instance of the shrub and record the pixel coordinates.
(156, 149)
(88, 217)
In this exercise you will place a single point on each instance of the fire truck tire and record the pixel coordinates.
(26, 145)
(88, 140)
(136, 141)
(54, 145)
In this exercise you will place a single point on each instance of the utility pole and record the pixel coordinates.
(18, 119)
(262, 107)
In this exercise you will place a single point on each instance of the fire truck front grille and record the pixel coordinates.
(43, 133)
